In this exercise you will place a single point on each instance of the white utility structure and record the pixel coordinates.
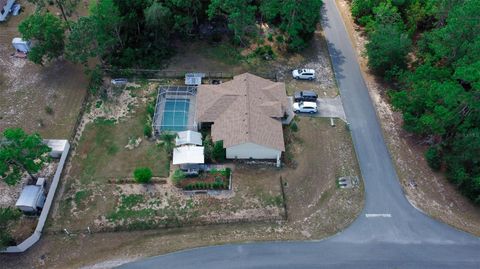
(193, 79)
(188, 138)
(57, 146)
(21, 45)
(32, 198)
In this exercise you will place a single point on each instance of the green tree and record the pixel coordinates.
(21, 152)
(167, 141)
(66, 7)
(186, 14)
(142, 174)
(48, 32)
(158, 18)
(96, 35)
(440, 97)
(387, 48)
(7, 216)
(298, 19)
(239, 13)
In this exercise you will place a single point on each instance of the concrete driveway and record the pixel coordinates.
(327, 108)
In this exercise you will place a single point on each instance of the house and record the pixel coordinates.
(245, 113)
(5, 8)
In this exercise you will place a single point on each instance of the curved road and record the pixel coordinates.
(389, 233)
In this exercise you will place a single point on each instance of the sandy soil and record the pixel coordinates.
(26, 89)
(425, 189)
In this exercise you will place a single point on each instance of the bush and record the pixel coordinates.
(294, 126)
(96, 80)
(147, 130)
(264, 52)
(270, 37)
(49, 110)
(177, 176)
(151, 108)
(280, 39)
(142, 175)
(208, 148)
(434, 158)
(218, 153)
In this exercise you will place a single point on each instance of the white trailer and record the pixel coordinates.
(21, 45)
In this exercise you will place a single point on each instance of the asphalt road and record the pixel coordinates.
(389, 233)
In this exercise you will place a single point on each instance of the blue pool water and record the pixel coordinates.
(175, 115)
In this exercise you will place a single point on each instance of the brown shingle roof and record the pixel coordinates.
(243, 110)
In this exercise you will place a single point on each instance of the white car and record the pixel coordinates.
(305, 107)
(303, 74)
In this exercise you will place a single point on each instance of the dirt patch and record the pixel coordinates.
(43, 99)
(427, 190)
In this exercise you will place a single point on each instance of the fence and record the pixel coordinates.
(174, 74)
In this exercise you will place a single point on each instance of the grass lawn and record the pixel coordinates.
(102, 153)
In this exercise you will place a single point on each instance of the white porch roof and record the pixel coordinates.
(188, 154)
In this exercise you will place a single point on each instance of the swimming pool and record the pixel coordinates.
(175, 115)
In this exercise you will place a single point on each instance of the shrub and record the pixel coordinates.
(264, 52)
(280, 38)
(49, 110)
(96, 80)
(177, 176)
(151, 108)
(294, 126)
(228, 171)
(434, 158)
(147, 130)
(218, 153)
(142, 175)
(270, 37)
(208, 148)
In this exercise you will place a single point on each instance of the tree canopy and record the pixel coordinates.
(21, 152)
(439, 94)
(48, 33)
(140, 33)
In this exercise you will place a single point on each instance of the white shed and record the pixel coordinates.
(188, 154)
(21, 45)
(194, 78)
(31, 199)
(188, 138)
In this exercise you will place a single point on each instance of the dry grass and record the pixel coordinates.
(26, 89)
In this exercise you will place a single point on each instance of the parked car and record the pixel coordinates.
(305, 107)
(303, 74)
(119, 81)
(306, 96)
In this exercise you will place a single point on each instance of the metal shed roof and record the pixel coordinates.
(188, 154)
(29, 196)
(188, 138)
(194, 78)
